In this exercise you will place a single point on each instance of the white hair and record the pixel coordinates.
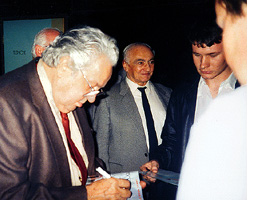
(130, 46)
(83, 46)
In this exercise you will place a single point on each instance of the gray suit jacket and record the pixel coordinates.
(33, 159)
(119, 131)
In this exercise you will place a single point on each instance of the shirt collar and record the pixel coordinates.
(228, 83)
(46, 86)
(134, 86)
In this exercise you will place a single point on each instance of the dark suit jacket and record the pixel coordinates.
(33, 159)
(176, 130)
(118, 125)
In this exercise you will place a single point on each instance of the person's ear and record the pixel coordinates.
(39, 50)
(125, 65)
(244, 9)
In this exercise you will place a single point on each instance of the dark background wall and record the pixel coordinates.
(163, 24)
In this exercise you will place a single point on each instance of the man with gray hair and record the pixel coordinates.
(43, 39)
(125, 140)
(41, 107)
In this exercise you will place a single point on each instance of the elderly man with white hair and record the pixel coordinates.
(46, 145)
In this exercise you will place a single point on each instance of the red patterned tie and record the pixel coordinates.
(75, 154)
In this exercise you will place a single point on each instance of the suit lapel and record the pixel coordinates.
(82, 122)
(164, 98)
(129, 106)
(40, 102)
(191, 98)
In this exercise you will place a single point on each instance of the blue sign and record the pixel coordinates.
(18, 41)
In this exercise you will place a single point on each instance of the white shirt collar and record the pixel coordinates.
(134, 86)
(47, 86)
(228, 83)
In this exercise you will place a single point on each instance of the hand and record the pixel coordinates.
(151, 166)
(143, 184)
(112, 188)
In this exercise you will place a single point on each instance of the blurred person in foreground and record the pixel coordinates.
(43, 39)
(215, 165)
(46, 144)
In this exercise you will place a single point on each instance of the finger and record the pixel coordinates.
(125, 193)
(150, 179)
(146, 167)
(142, 168)
(146, 177)
(154, 163)
(143, 184)
(123, 183)
(154, 166)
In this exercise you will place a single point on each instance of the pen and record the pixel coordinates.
(103, 172)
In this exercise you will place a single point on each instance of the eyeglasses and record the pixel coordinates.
(93, 91)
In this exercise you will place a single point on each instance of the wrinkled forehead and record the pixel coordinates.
(100, 71)
(140, 52)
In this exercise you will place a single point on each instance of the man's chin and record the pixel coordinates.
(78, 104)
(83, 100)
(208, 77)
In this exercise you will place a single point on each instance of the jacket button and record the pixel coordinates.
(146, 155)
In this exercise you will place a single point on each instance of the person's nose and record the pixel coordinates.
(148, 66)
(205, 62)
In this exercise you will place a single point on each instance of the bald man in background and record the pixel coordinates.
(43, 39)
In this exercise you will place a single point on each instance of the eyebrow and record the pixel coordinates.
(217, 52)
(143, 59)
(140, 60)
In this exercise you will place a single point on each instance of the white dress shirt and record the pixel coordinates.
(157, 109)
(204, 96)
(75, 132)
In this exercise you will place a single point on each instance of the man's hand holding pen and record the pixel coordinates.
(111, 188)
(108, 188)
